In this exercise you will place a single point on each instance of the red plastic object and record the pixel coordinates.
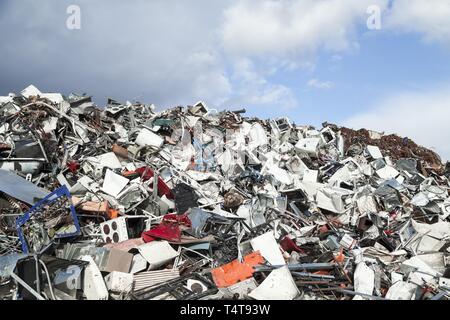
(168, 229)
(169, 232)
(146, 174)
(289, 245)
(73, 166)
(179, 219)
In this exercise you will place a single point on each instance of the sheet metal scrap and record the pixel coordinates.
(191, 203)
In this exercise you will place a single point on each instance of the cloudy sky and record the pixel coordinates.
(311, 60)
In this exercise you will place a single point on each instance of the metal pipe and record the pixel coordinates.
(301, 266)
(38, 280)
(48, 279)
(354, 293)
(311, 275)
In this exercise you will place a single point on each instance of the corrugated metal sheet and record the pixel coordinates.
(152, 278)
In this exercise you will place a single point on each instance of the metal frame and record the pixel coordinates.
(49, 199)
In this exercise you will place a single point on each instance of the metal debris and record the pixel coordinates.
(127, 203)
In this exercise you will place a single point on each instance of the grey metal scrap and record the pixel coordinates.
(19, 188)
(195, 203)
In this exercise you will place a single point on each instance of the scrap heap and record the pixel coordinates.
(124, 202)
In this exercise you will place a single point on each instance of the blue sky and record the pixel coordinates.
(311, 60)
(384, 65)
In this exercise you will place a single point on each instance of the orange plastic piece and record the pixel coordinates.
(234, 272)
(340, 258)
(113, 213)
(128, 173)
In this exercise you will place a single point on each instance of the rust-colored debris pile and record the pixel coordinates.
(393, 146)
(122, 202)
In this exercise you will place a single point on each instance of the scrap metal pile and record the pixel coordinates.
(127, 203)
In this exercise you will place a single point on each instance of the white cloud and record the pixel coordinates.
(429, 18)
(128, 50)
(336, 57)
(280, 35)
(209, 81)
(124, 50)
(317, 84)
(253, 88)
(421, 116)
(293, 28)
(131, 51)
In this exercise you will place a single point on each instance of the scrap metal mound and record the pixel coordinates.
(393, 146)
(127, 203)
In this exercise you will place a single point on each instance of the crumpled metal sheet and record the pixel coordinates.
(19, 188)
